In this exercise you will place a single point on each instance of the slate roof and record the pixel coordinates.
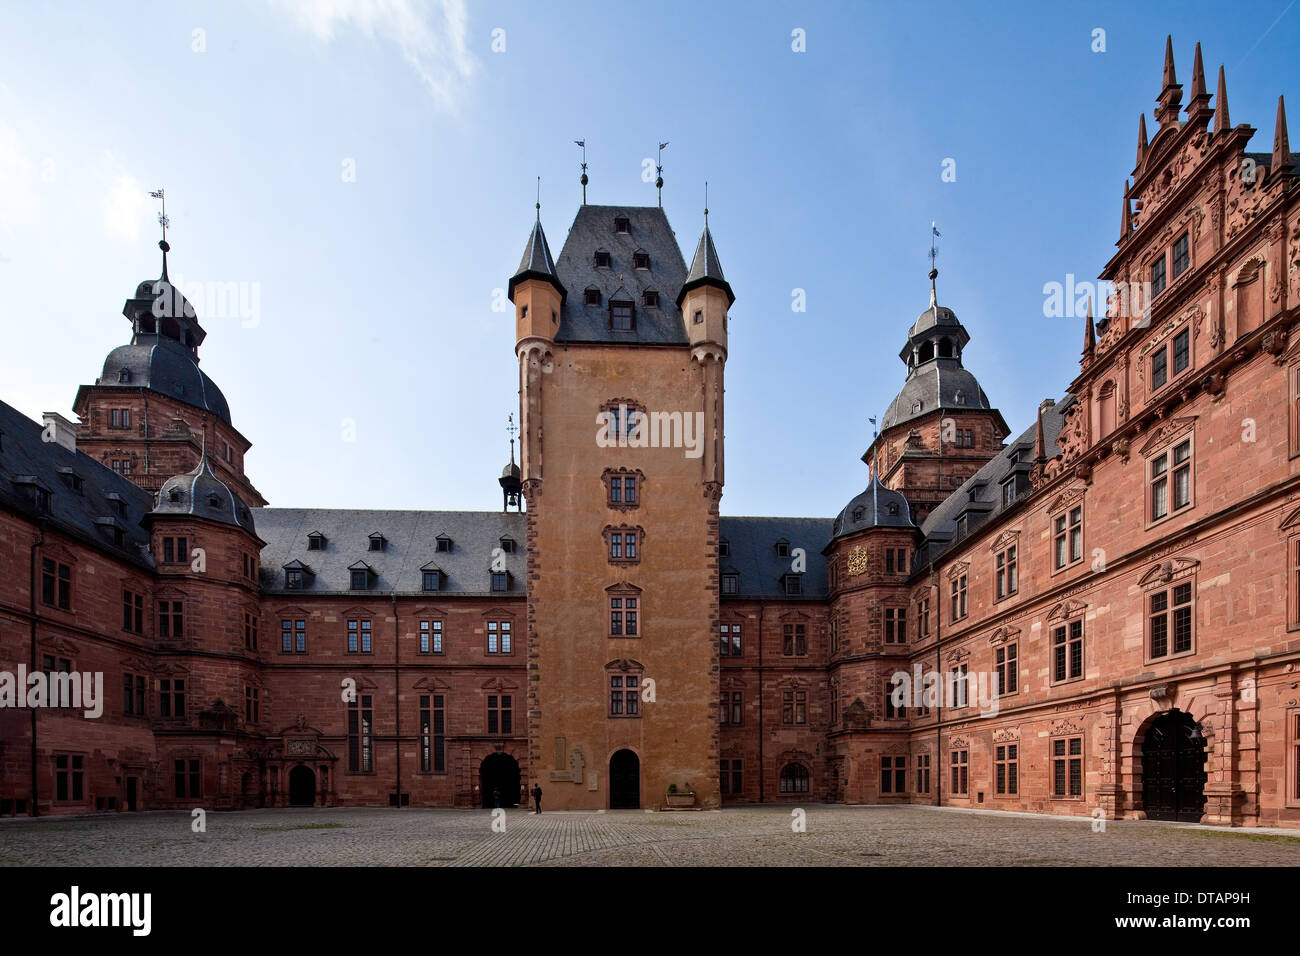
(935, 385)
(202, 494)
(88, 514)
(981, 494)
(165, 366)
(874, 503)
(410, 545)
(753, 555)
(649, 232)
(537, 262)
(706, 269)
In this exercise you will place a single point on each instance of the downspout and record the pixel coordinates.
(397, 698)
(762, 791)
(40, 540)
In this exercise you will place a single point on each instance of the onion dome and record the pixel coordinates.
(202, 494)
(876, 507)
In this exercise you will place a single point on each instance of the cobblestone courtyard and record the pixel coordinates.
(757, 836)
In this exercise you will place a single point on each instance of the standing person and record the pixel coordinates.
(496, 798)
(537, 798)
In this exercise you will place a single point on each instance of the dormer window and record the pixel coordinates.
(444, 544)
(724, 548)
(296, 576)
(622, 316)
(591, 297)
(641, 260)
(315, 541)
(730, 583)
(430, 579)
(293, 580)
(500, 580)
(118, 503)
(783, 549)
(650, 299)
(214, 501)
(123, 376)
(893, 508)
(794, 584)
(41, 498)
(174, 495)
(858, 514)
(362, 576)
(602, 260)
(72, 479)
(508, 545)
(959, 398)
(916, 407)
(378, 542)
(622, 225)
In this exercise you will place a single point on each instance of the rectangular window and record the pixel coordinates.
(1159, 368)
(293, 637)
(959, 691)
(731, 777)
(250, 631)
(1006, 769)
(426, 735)
(1067, 651)
(1158, 278)
(1182, 255)
(729, 644)
(359, 636)
(429, 580)
(622, 317)
(893, 774)
(500, 580)
(498, 637)
(1170, 480)
(187, 777)
(1170, 621)
(171, 619)
(132, 612)
(895, 625)
(69, 778)
(923, 618)
(1007, 668)
(957, 591)
(133, 687)
(176, 550)
(794, 642)
(56, 584)
(960, 763)
(431, 637)
(794, 707)
(922, 773)
(500, 710)
(1181, 350)
(1067, 767)
(252, 705)
(361, 718)
(892, 712)
(1007, 579)
(171, 697)
(730, 583)
(1067, 538)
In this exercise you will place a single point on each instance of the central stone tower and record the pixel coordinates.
(621, 354)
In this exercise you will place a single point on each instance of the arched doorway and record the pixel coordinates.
(1173, 768)
(498, 778)
(302, 786)
(624, 781)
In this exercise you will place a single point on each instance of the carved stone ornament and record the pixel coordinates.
(857, 562)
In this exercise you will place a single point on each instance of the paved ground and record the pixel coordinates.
(758, 836)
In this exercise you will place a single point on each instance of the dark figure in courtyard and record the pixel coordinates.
(496, 798)
(537, 798)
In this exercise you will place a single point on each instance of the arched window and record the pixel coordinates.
(945, 347)
(124, 375)
(794, 778)
(927, 352)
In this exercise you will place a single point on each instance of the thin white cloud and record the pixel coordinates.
(431, 34)
(126, 205)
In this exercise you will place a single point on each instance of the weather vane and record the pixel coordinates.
(162, 216)
(659, 174)
(583, 180)
(510, 426)
(934, 234)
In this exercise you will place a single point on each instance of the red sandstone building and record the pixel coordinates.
(1125, 574)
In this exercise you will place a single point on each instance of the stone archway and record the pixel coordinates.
(1171, 767)
(499, 781)
(302, 786)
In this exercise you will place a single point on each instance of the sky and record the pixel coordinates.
(362, 173)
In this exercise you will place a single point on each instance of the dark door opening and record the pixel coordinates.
(1173, 769)
(624, 781)
(132, 784)
(302, 787)
(499, 781)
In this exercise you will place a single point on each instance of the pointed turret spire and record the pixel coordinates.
(1126, 224)
(1142, 140)
(1221, 122)
(1198, 104)
(537, 262)
(1171, 95)
(1281, 148)
(1089, 335)
(706, 268)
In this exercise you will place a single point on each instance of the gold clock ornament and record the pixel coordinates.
(857, 562)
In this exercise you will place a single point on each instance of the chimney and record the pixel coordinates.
(59, 430)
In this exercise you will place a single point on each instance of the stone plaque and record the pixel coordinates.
(300, 747)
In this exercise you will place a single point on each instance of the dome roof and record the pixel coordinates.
(931, 317)
(939, 383)
(511, 470)
(876, 507)
(165, 366)
(201, 493)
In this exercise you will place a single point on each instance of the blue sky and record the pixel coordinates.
(374, 296)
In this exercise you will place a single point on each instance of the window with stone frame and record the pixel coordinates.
(794, 707)
(1067, 650)
(1169, 480)
(1292, 524)
(430, 636)
(1006, 769)
(957, 596)
(1182, 254)
(171, 698)
(732, 707)
(500, 713)
(171, 619)
(624, 611)
(359, 635)
(1293, 754)
(250, 631)
(1006, 668)
(895, 625)
(623, 544)
(1170, 358)
(959, 685)
(893, 711)
(1067, 767)
(623, 680)
(252, 705)
(293, 636)
(433, 733)
(729, 640)
(794, 778)
(176, 550)
(1067, 537)
(794, 640)
(1159, 275)
(361, 723)
(923, 617)
(187, 777)
(731, 776)
(1006, 574)
(132, 611)
(56, 584)
(893, 773)
(922, 773)
(622, 488)
(497, 636)
(133, 695)
(959, 764)
(1171, 621)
